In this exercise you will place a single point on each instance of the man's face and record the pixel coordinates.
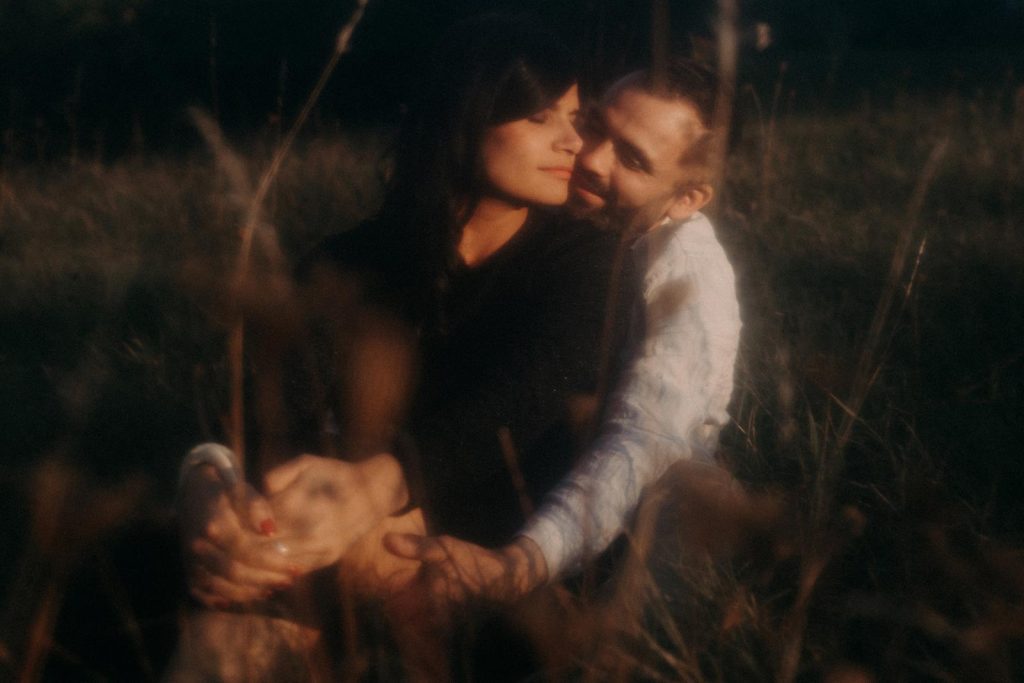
(629, 165)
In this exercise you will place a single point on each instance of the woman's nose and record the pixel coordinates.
(569, 140)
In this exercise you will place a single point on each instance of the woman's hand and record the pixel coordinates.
(323, 505)
(229, 553)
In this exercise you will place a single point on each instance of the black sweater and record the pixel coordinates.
(518, 335)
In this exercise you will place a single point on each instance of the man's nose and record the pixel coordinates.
(596, 158)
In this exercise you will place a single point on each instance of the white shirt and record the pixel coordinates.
(670, 403)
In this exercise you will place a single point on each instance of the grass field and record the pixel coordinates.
(880, 256)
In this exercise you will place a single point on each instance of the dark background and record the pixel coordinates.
(104, 77)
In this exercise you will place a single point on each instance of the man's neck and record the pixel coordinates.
(492, 225)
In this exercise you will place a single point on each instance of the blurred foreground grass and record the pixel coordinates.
(896, 447)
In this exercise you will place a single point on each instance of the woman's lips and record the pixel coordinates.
(561, 172)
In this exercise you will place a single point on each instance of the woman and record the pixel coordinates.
(505, 298)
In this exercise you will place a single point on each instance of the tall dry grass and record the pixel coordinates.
(113, 359)
(877, 417)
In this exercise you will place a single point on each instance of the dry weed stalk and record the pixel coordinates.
(728, 52)
(878, 339)
(69, 513)
(254, 221)
(660, 39)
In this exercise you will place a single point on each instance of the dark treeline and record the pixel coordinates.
(107, 74)
(100, 77)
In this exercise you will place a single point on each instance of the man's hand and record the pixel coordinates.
(454, 571)
(369, 569)
(451, 573)
(323, 505)
(229, 553)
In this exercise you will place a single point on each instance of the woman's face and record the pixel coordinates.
(530, 161)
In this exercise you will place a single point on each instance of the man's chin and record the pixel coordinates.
(579, 210)
(584, 205)
(595, 215)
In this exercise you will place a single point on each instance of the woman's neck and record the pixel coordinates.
(493, 223)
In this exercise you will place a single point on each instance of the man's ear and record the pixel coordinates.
(690, 200)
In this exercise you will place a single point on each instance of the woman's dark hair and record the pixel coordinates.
(483, 72)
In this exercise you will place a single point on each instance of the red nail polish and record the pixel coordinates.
(267, 527)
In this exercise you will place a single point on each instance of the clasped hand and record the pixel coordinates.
(315, 508)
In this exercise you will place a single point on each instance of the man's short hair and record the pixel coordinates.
(686, 79)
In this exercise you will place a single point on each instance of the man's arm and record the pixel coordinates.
(454, 570)
(669, 406)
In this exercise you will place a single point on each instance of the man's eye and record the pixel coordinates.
(629, 159)
(539, 117)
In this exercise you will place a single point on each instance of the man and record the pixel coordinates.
(645, 165)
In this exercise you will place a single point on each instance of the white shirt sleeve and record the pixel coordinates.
(669, 405)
